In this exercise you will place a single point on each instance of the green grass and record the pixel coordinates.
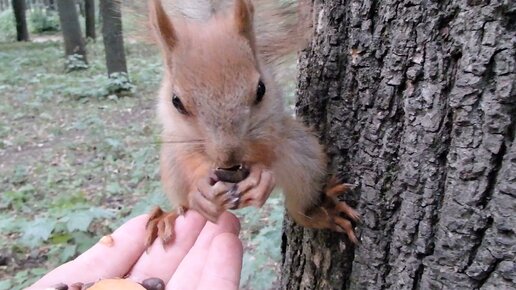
(75, 162)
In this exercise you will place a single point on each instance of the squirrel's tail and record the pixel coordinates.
(281, 27)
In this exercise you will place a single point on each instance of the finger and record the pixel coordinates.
(103, 260)
(211, 191)
(223, 264)
(252, 180)
(193, 264)
(205, 207)
(161, 262)
(258, 196)
(271, 184)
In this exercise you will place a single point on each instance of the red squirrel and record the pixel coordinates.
(221, 112)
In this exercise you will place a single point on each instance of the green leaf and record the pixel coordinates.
(67, 253)
(114, 187)
(6, 224)
(83, 241)
(79, 221)
(98, 212)
(38, 231)
(38, 271)
(113, 142)
(154, 199)
(61, 238)
(5, 285)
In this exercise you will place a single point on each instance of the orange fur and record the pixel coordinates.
(262, 152)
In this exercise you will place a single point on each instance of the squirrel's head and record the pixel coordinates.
(214, 88)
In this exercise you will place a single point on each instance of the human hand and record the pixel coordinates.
(202, 255)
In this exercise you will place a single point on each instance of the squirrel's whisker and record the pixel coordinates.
(181, 142)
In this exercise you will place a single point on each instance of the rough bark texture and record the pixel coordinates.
(416, 103)
(19, 7)
(112, 35)
(89, 19)
(69, 19)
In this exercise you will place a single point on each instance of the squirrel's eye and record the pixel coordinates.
(179, 105)
(260, 92)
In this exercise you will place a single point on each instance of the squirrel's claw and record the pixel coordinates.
(334, 207)
(344, 208)
(336, 188)
(344, 225)
(331, 213)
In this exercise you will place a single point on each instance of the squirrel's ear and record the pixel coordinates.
(162, 26)
(244, 11)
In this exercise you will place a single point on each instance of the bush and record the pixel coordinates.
(7, 27)
(75, 62)
(44, 21)
(119, 83)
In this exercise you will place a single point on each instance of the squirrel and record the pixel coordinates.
(227, 140)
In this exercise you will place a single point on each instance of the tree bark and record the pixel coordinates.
(415, 101)
(73, 40)
(112, 35)
(19, 7)
(89, 7)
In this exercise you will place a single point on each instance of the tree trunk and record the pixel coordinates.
(89, 7)
(416, 104)
(19, 7)
(112, 36)
(75, 49)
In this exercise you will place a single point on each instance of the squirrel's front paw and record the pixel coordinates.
(211, 197)
(256, 188)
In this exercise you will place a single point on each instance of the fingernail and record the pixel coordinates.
(235, 202)
(233, 191)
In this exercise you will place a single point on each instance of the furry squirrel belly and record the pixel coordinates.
(221, 110)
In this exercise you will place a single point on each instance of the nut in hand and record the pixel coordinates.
(153, 284)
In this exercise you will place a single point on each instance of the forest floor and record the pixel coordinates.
(76, 162)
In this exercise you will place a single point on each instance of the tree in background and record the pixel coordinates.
(111, 12)
(89, 8)
(416, 103)
(51, 4)
(75, 49)
(19, 7)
